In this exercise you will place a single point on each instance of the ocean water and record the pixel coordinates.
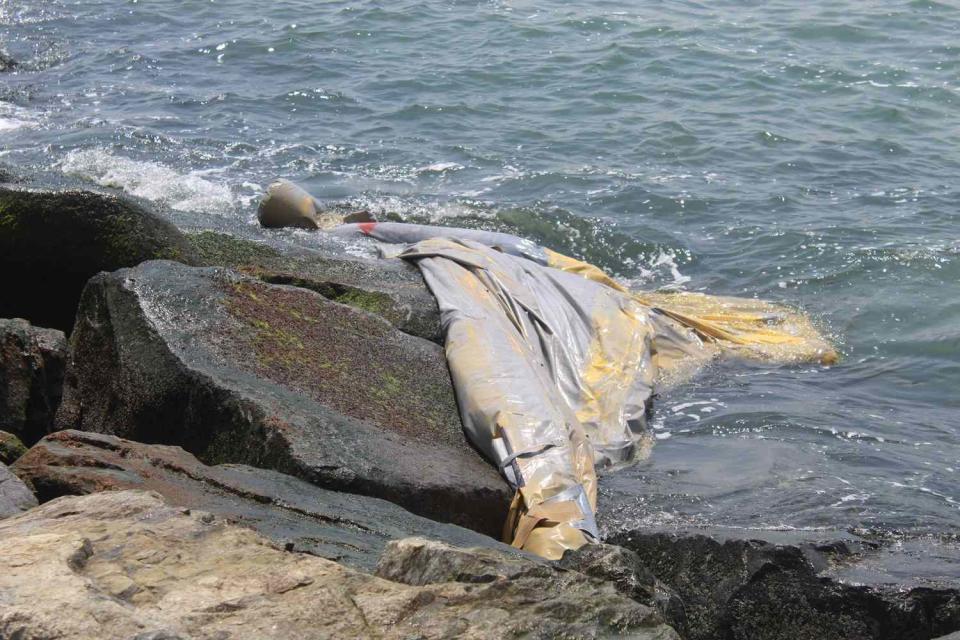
(802, 151)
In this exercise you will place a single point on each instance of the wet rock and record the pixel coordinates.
(54, 241)
(236, 370)
(125, 565)
(345, 527)
(392, 289)
(32, 362)
(15, 497)
(739, 589)
(627, 573)
(570, 602)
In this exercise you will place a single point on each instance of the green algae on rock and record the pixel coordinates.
(10, 448)
(392, 289)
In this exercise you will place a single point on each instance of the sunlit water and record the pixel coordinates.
(806, 152)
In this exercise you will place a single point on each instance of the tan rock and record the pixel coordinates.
(125, 565)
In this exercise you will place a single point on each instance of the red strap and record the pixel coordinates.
(367, 227)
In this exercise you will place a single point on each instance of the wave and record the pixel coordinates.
(152, 181)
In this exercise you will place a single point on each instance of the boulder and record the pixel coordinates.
(54, 241)
(624, 569)
(32, 362)
(10, 448)
(15, 497)
(235, 370)
(741, 589)
(125, 565)
(569, 602)
(392, 289)
(344, 527)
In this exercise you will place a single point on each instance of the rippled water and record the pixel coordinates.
(807, 152)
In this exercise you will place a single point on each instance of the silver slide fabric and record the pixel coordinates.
(552, 371)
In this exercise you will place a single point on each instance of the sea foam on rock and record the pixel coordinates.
(124, 565)
(237, 370)
(338, 526)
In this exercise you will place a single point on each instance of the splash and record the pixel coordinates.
(151, 180)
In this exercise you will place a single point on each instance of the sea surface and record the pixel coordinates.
(802, 151)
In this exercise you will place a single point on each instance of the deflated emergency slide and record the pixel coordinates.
(555, 363)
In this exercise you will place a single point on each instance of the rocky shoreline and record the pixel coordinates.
(245, 439)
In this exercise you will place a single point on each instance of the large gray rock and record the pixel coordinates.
(122, 565)
(236, 370)
(623, 568)
(52, 242)
(569, 603)
(338, 526)
(392, 289)
(741, 589)
(15, 497)
(32, 362)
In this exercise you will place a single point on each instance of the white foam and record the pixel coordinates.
(150, 180)
(440, 167)
(13, 117)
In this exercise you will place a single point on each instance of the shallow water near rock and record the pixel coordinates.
(802, 152)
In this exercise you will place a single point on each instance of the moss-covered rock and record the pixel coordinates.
(10, 448)
(237, 370)
(52, 242)
(392, 289)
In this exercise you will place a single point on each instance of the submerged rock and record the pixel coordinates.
(236, 370)
(15, 497)
(125, 565)
(32, 362)
(345, 527)
(54, 241)
(751, 589)
(10, 448)
(7, 63)
(392, 289)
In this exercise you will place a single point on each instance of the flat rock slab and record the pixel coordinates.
(32, 362)
(15, 497)
(338, 526)
(125, 565)
(239, 371)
